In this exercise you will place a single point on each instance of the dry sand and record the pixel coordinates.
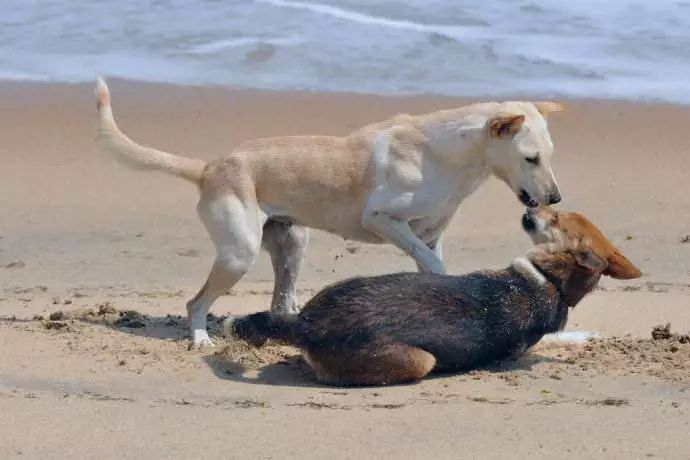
(79, 233)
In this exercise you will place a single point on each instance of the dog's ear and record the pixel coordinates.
(621, 268)
(585, 257)
(505, 124)
(547, 107)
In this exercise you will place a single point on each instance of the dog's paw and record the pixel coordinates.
(201, 342)
(204, 346)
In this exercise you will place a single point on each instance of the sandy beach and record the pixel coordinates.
(114, 255)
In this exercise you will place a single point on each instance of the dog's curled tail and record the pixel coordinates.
(259, 327)
(136, 156)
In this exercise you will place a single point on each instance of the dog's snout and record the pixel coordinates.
(555, 197)
(528, 222)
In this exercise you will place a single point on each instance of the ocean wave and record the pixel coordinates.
(455, 32)
(229, 43)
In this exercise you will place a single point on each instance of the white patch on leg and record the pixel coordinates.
(527, 268)
(197, 312)
(200, 340)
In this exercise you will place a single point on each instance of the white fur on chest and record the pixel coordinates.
(425, 187)
(447, 196)
(458, 157)
(523, 266)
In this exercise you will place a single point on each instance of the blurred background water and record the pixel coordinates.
(578, 48)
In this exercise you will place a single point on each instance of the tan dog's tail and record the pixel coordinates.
(136, 156)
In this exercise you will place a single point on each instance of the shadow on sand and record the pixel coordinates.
(271, 364)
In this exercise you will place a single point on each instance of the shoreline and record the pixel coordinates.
(397, 96)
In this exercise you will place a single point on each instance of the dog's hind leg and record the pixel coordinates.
(235, 229)
(285, 243)
(380, 365)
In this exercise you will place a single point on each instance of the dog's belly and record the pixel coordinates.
(340, 210)
(343, 223)
(429, 229)
(349, 227)
(346, 223)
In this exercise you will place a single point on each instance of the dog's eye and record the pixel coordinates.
(533, 160)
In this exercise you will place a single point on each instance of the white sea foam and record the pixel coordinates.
(545, 48)
(380, 21)
(224, 44)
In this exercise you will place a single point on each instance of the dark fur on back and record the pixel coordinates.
(462, 321)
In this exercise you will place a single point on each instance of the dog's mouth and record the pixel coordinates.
(526, 199)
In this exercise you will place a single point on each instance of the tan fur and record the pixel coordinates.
(570, 228)
(135, 155)
(390, 364)
(547, 107)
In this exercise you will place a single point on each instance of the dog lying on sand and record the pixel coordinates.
(399, 181)
(397, 328)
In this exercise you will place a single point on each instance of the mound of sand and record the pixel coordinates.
(665, 355)
(255, 358)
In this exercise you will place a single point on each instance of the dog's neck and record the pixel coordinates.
(558, 275)
(570, 280)
(452, 132)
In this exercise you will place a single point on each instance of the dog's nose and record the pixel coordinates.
(527, 222)
(555, 197)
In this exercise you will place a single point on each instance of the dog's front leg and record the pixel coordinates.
(400, 234)
(435, 245)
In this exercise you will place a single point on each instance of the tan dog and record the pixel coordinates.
(399, 181)
(397, 328)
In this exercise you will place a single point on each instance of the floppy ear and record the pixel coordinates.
(585, 257)
(621, 268)
(546, 107)
(505, 124)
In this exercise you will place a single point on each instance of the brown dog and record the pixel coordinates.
(397, 328)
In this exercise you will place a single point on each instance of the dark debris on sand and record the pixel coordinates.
(663, 332)
(105, 313)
